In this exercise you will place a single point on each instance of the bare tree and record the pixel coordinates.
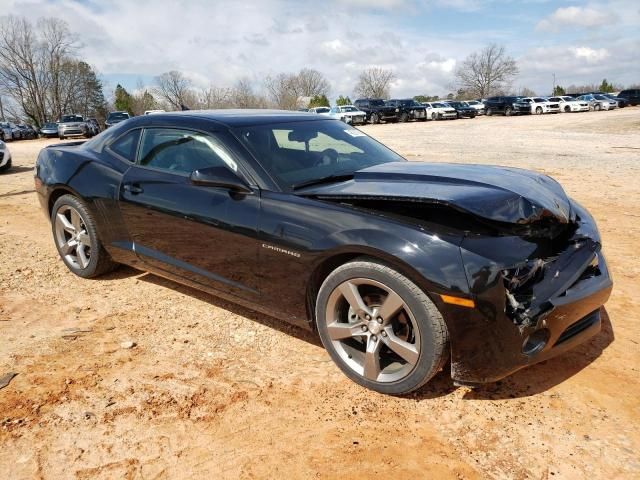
(487, 71)
(174, 88)
(374, 82)
(243, 96)
(283, 90)
(311, 83)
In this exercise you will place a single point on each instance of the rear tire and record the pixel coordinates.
(375, 118)
(597, 107)
(380, 328)
(404, 117)
(567, 109)
(76, 238)
(433, 116)
(508, 111)
(488, 112)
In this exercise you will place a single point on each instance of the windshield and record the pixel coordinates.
(295, 153)
(71, 118)
(600, 97)
(349, 109)
(376, 103)
(438, 105)
(118, 116)
(409, 103)
(473, 102)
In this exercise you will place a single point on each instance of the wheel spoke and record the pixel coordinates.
(76, 220)
(391, 306)
(82, 256)
(68, 247)
(83, 238)
(372, 359)
(66, 225)
(351, 294)
(406, 350)
(341, 331)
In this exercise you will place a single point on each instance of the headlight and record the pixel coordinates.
(397, 110)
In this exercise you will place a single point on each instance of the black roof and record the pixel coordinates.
(237, 118)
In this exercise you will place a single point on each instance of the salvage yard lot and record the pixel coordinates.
(214, 390)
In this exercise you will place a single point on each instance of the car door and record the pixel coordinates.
(202, 233)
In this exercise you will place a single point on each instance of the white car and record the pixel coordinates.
(349, 114)
(598, 102)
(440, 111)
(536, 105)
(5, 157)
(569, 104)
(320, 110)
(478, 105)
(150, 112)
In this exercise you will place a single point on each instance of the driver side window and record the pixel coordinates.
(182, 151)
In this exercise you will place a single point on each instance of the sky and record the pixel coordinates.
(217, 42)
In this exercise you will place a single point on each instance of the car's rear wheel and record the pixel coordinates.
(380, 329)
(76, 238)
(567, 109)
(597, 107)
(488, 112)
(375, 118)
(404, 117)
(6, 166)
(433, 115)
(507, 111)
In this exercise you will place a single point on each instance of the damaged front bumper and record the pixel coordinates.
(534, 300)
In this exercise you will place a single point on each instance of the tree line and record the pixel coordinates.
(42, 77)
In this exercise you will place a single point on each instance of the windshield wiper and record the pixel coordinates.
(336, 177)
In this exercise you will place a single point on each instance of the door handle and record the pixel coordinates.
(133, 189)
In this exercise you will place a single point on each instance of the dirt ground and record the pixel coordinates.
(212, 390)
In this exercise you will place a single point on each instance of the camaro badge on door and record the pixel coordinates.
(281, 250)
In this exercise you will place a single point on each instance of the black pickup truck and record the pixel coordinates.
(376, 110)
(503, 105)
(408, 109)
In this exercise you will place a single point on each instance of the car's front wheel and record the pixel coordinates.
(380, 328)
(375, 118)
(76, 238)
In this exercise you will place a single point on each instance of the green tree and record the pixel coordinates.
(319, 101)
(558, 90)
(606, 87)
(426, 98)
(123, 101)
(343, 101)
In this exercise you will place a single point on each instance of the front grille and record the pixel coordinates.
(579, 326)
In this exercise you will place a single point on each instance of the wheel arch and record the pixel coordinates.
(347, 254)
(58, 191)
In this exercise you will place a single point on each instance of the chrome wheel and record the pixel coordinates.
(72, 238)
(373, 330)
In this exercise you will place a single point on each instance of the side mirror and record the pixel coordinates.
(219, 177)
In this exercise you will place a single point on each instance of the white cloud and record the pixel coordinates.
(591, 55)
(583, 17)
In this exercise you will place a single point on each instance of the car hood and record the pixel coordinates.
(501, 194)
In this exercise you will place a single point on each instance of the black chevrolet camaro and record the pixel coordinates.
(397, 265)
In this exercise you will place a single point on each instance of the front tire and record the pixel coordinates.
(380, 328)
(507, 111)
(375, 118)
(76, 238)
(538, 110)
(488, 112)
(404, 117)
(5, 167)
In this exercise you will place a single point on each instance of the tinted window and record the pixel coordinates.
(182, 151)
(126, 145)
(118, 116)
(298, 152)
(377, 103)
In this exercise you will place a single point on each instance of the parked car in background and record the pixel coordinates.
(94, 126)
(5, 157)
(598, 102)
(73, 126)
(478, 105)
(320, 110)
(632, 95)
(150, 112)
(440, 111)
(620, 101)
(501, 104)
(27, 131)
(348, 114)
(15, 131)
(116, 117)
(408, 109)
(462, 109)
(49, 129)
(6, 134)
(569, 104)
(376, 110)
(536, 105)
